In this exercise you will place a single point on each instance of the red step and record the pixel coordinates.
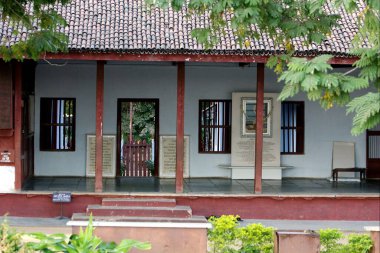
(138, 211)
(142, 202)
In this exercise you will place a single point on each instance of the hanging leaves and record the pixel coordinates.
(43, 25)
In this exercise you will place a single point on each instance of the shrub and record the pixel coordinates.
(227, 237)
(85, 242)
(331, 242)
(223, 235)
(10, 241)
(256, 238)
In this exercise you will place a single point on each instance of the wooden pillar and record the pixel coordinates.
(180, 127)
(17, 125)
(99, 126)
(259, 127)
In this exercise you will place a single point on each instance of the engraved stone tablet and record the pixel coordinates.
(109, 155)
(243, 137)
(168, 156)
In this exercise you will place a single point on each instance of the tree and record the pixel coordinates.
(41, 22)
(143, 121)
(281, 20)
(285, 20)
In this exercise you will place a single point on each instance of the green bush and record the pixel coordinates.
(331, 242)
(256, 238)
(85, 242)
(10, 241)
(227, 237)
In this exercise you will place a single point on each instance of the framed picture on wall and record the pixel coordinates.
(248, 117)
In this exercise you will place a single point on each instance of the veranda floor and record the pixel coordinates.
(287, 186)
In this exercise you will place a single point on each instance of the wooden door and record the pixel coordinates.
(373, 154)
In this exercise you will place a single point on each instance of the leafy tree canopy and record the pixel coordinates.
(281, 20)
(42, 24)
(285, 20)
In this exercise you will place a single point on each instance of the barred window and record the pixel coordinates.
(57, 124)
(292, 127)
(214, 126)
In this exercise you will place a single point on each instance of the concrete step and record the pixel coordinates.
(137, 211)
(85, 217)
(139, 202)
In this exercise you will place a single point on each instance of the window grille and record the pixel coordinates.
(214, 126)
(57, 124)
(292, 127)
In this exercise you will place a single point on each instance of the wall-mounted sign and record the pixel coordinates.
(6, 119)
(168, 156)
(61, 197)
(6, 156)
(109, 156)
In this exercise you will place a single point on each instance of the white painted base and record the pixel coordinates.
(269, 172)
(7, 178)
(141, 224)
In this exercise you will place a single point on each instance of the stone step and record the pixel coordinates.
(138, 211)
(139, 202)
(85, 217)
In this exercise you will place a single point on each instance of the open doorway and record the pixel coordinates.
(137, 137)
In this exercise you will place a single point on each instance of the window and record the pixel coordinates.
(214, 126)
(57, 128)
(292, 127)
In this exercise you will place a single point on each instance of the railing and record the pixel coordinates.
(136, 159)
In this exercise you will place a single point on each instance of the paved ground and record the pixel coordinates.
(54, 225)
(204, 186)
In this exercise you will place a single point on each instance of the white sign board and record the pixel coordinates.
(168, 156)
(109, 156)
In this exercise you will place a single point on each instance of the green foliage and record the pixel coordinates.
(315, 79)
(367, 112)
(223, 236)
(331, 242)
(143, 120)
(286, 22)
(43, 25)
(256, 238)
(150, 166)
(10, 241)
(359, 243)
(84, 242)
(227, 237)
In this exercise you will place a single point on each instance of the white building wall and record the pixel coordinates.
(203, 81)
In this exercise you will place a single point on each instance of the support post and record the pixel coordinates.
(180, 127)
(17, 125)
(259, 128)
(99, 126)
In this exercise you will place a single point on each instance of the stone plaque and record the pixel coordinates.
(5, 96)
(243, 138)
(109, 156)
(168, 156)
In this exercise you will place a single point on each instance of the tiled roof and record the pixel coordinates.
(127, 26)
